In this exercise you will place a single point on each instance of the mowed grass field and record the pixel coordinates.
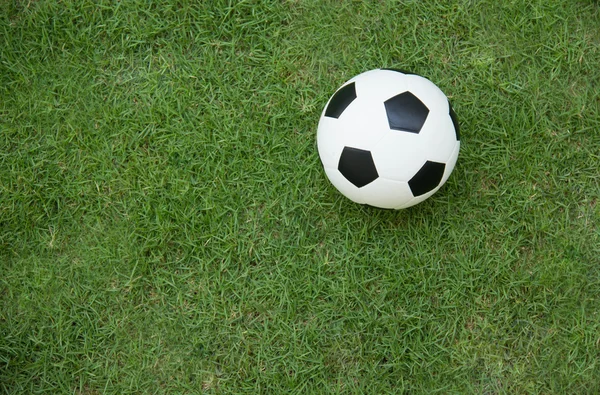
(166, 226)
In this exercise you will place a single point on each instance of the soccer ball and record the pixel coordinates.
(388, 138)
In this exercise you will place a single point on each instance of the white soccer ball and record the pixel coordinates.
(388, 139)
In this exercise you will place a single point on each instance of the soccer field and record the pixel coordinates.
(166, 225)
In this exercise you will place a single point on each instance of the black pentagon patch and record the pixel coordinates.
(357, 166)
(406, 112)
(340, 100)
(455, 122)
(399, 71)
(427, 179)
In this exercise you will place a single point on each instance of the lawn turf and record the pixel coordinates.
(166, 226)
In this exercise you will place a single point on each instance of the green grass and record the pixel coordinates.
(166, 227)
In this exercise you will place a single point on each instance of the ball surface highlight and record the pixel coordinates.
(388, 138)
